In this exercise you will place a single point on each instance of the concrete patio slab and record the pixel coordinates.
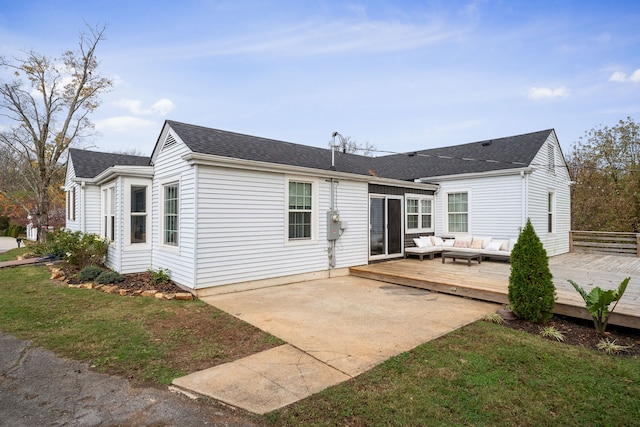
(349, 324)
(264, 381)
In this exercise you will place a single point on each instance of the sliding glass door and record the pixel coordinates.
(385, 226)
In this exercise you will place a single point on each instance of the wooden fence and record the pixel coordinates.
(600, 242)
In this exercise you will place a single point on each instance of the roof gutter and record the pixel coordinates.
(228, 162)
(130, 171)
(488, 174)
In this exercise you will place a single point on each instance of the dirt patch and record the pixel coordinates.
(582, 333)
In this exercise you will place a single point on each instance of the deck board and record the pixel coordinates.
(489, 281)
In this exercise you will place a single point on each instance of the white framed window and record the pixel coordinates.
(457, 207)
(109, 212)
(301, 210)
(551, 212)
(170, 214)
(138, 208)
(71, 204)
(419, 213)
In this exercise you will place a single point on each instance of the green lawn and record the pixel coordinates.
(143, 339)
(482, 375)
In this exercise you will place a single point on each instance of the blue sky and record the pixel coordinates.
(401, 75)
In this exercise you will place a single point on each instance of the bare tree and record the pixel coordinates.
(348, 145)
(47, 104)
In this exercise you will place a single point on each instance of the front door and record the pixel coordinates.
(385, 226)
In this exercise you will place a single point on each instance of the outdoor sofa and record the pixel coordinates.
(487, 247)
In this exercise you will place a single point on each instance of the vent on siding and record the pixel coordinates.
(169, 142)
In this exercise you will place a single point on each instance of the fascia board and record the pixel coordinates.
(227, 162)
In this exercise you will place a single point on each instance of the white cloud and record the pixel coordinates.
(621, 77)
(537, 93)
(161, 107)
(123, 124)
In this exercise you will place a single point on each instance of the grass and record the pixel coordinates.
(143, 339)
(482, 375)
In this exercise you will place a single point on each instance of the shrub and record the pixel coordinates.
(109, 277)
(531, 290)
(77, 248)
(90, 273)
(161, 275)
(597, 302)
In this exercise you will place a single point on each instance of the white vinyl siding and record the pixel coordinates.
(170, 167)
(542, 182)
(235, 245)
(495, 205)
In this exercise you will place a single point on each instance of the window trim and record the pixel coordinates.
(161, 227)
(420, 214)
(108, 212)
(445, 207)
(551, 212)
(314, 210)
(128, 185)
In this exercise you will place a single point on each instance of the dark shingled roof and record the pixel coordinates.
(483, 156)
(245, 147)
(89, 164)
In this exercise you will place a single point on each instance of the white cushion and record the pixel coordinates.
(448, 243)
(494, 245)
(512, 243)
(419, 242)
(426, 240)
(485, 240)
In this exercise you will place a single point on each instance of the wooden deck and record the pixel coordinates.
(489, 281)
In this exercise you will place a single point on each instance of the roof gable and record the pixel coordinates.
(89, 164)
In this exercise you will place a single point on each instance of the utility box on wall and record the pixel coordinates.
(333, 225)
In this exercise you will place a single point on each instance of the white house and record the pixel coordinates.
(219, 208)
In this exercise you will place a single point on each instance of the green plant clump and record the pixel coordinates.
(597, 302)
(531, 290)
(90, 273)
(552, 333)
(77, 248)
(109, 277)
(161, 275)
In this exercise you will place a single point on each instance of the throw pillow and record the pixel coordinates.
(448, 243)
(426, 241)
(419, 243)
(437, 241)
(461, 244)
(476, 244)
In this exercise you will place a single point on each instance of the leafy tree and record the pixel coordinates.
(531, 290)
(605, 165)
(47, 105)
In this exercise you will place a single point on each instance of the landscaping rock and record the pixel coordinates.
(169, 296)
(184, 296)
(150, 293)
(159, 295)
(122, 292)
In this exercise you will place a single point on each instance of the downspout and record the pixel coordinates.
(83, 214)
(195, 226)
(525, 198)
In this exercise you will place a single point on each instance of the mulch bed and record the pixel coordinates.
(132, 282)
(582, 333)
